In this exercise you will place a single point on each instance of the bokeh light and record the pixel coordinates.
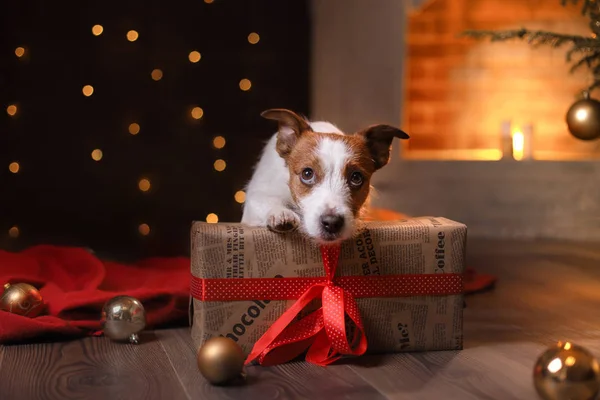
(219, 142)
(144, 184)
(220, 165)
(253, 38)
(14, 232)
(97, 30)
(194, 56)
(88, 90)
(156, 74)
(245, 84)
(144, 229)
(240, 196)
(132, 36)
(134, 128)
(197, 112)
(14, 167)
(97, 155)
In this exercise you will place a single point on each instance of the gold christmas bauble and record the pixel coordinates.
(22, 299)
(567, 371)
(220, 360)
(123, 318)
(583, 119)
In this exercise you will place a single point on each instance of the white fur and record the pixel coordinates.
(268, 194)
(331, 195)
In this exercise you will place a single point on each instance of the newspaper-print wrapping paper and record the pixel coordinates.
(425, 245)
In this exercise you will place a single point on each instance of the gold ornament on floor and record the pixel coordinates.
(567, 371)
(221, 360)
(123, 318)
(22, 299)
(583, 119)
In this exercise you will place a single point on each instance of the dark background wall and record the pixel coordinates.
(60, 194)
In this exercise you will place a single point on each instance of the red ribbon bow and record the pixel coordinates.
(322, 332)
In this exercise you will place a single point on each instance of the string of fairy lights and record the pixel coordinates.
(144, 184)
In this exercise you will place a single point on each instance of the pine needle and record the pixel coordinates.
(586, 47)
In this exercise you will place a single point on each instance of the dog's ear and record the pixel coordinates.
(379, 141)
(291, 127)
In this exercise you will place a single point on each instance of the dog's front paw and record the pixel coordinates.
(283, 220)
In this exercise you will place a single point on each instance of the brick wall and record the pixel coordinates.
(458, 90)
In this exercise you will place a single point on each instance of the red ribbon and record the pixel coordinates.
(322, 332)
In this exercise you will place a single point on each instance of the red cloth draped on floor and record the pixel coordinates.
(75, 285)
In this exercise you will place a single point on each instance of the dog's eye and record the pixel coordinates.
(356, 179)
(307, 176)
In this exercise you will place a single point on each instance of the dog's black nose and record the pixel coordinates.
(332, 223)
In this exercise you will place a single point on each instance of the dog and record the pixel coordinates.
(314, 178)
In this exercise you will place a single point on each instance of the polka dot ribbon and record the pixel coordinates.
(324, 333)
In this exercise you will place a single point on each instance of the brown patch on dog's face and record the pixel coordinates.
(303, 156)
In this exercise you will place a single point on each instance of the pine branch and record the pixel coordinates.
(596, 75)
(586, 46)
(535, 38)
(587, 4)
(594, 85)
(577, 50)
(495, 36)
(587, 60)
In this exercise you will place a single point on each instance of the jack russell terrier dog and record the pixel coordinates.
(314, 178)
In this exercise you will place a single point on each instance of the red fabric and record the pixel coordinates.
(75, 285)
(475, 282)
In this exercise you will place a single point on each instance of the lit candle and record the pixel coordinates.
(517, 145)
(521, 143)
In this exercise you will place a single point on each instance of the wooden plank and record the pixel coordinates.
(469, 374)
(91, 368)
(546, 292)
(298, 380)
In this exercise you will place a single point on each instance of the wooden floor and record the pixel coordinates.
(546, 292)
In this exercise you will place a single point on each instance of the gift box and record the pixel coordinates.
(395, 286)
